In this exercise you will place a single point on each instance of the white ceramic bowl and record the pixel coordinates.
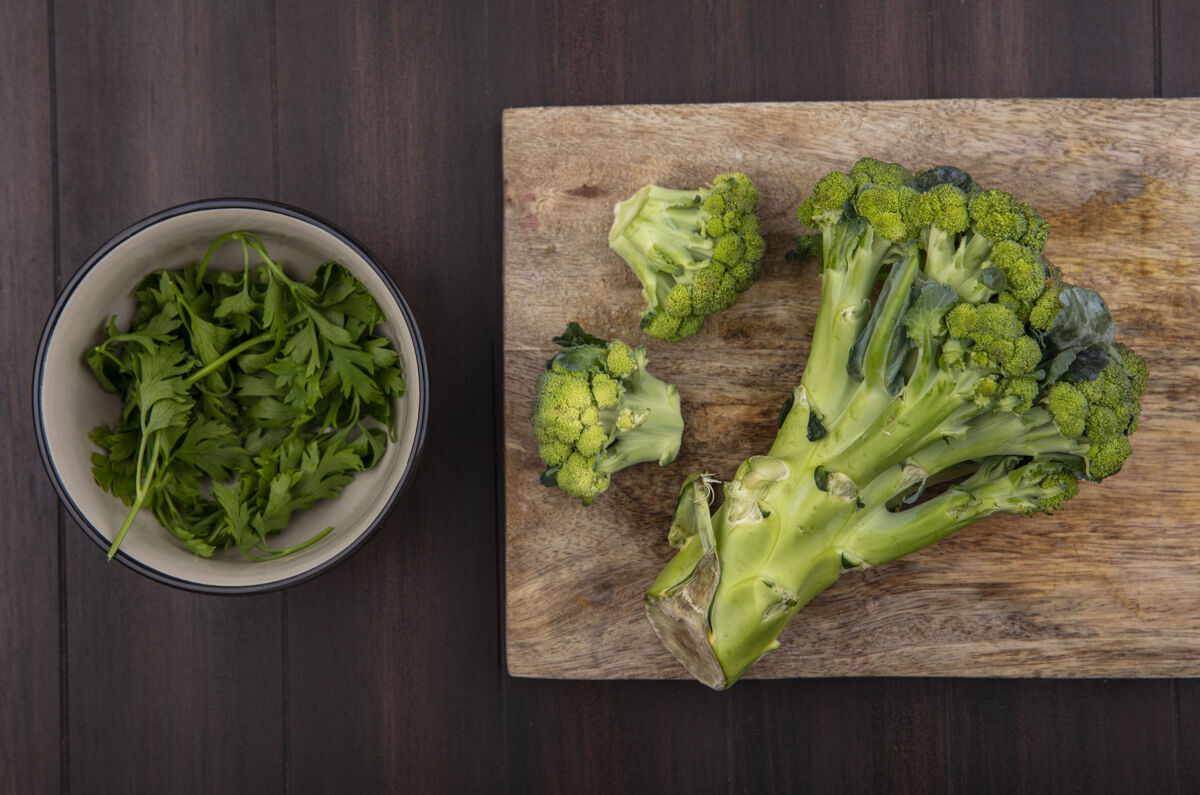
(68, 402)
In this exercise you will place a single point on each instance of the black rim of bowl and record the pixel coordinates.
(222, 204)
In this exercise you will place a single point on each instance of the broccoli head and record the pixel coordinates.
(694, 251)
(597, 410)
(946, 351)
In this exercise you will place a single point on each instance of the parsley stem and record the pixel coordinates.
(278, 553)
(225, 238)
(137, 506)
(102, 349)
(143, 489)
(225, 357)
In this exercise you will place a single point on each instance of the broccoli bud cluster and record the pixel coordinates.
(1105, 410)
(596, 410)
(695, 252)
(1011, 335)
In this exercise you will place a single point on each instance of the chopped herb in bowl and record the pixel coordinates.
(246, 396)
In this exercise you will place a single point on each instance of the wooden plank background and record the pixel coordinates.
(388, 673)
(1108, 587)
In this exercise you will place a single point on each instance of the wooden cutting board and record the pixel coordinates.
(1110, 586)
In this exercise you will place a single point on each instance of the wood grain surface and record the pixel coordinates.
(415, 610)
(1108, 587)
(165, 651)
(388, 673)
(31, 715)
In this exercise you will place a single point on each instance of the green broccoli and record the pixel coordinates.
(597, 410)
(694, 251)
(974, 369)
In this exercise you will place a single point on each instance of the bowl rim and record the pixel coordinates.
(68, 291)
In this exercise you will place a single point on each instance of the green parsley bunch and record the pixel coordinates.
(246, 396)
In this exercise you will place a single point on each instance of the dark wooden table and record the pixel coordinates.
(387, 673)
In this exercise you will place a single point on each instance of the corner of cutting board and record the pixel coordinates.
(518, 668)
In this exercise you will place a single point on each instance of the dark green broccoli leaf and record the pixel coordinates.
(942, 175)
(1079, 342)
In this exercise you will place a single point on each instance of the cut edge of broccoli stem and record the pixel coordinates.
(680, 620)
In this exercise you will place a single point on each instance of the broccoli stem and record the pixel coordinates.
(794, 520)
(756, 578)
(852, 257)
(659, 232)
(647, 424)
(1032, 433)
(879, 535)
(903, 426)
(958, 265)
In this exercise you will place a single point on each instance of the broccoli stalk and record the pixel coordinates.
(694, 251)
(598, 410)
(945, 377)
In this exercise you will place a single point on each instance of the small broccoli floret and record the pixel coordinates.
(597, 410)
(1103, 422)
(998, 216)
(1106, 456)
(620, 360)
(1135, 368)
(606, 390)
(1037, 231)
(553, 451)
(994, 320)
(1022, 268)
(694, 251)
(943, 206)
(592, 440)
(1025, 356)
(1023, 389)
(578, 477)
(1015, 305)
(1102, 412)
(997, 333)
(1057, 488)
(1014, 486)
(869, 171)
(713, 291)
(1069, 408)
(1113, 407)
(1046, 308)
(890, 208)
(831, 193)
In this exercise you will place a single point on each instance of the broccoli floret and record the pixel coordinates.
(1043, 311)
(996, 333)
(1068, 407)
(1113, 405)
(1023, 389)
(973, 363)
(869, 171)
(597, 410)
(1135, 368)
(1107, 455)
(943, 206)
(1037, 230)
(998, 216)
(1015, 305)
(890, 208)
(694, 251)
(1022, 269)
(832, 192)
(1054, 489)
